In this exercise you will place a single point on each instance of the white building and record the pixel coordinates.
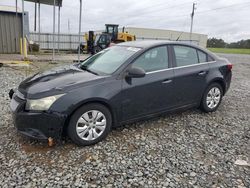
(161, 34)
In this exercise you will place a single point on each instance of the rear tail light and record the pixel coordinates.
(229, 67)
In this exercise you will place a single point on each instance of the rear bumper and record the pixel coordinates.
(38, 125)
(228, 82)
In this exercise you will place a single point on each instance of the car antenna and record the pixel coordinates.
(179, 36)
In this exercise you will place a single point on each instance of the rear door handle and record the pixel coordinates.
(167, 81)
(202, 73)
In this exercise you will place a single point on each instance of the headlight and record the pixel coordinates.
(41, 104)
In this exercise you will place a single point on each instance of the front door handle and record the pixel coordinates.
(167, 81)
(202, 73)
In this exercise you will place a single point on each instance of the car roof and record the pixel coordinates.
(145, 44)
(152, 43)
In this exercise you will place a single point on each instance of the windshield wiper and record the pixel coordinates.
(88, 70)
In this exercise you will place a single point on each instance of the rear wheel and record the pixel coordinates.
(89, 124)
(212, 98)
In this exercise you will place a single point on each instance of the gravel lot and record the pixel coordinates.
(187, 149)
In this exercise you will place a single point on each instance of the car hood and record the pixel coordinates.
(57, 80)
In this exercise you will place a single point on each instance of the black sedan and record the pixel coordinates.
(124, 83)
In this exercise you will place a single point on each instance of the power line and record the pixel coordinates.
(172, 18)
(152, 11)
(150, 7)
(219, 8)
(161, 9)
(166, 8)
(201, 12)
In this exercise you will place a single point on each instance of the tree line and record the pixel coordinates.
(220, 43)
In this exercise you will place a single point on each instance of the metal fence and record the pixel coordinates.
(70, 41)
(65, 41)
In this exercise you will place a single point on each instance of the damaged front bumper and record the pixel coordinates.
(38, 125)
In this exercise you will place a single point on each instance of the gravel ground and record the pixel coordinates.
(186, 149)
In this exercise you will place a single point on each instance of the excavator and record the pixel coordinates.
(111, 35)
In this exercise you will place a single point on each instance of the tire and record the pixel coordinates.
(212, 98)
(89, 124)
(97, 49)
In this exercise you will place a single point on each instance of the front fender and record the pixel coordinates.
(106, 93)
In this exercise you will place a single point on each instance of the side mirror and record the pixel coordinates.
(136, 72)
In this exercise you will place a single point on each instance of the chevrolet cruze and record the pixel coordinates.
(124, 83)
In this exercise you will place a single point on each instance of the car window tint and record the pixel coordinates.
(202, 56)
(210, 58)
(185, 56)
(109, 60)
(152, 60)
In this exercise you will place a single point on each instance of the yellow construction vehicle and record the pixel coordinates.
(98, 42)
(116, 37)
(88, 45)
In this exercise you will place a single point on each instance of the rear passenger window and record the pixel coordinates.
(202, 56)
(185, 56)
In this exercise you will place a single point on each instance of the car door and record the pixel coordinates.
(189, 74)
(152, 93)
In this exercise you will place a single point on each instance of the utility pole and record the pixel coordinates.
(68, 26)
(54, 30)
(192, 20)
(17, 37)
(23, 36)
(59, 25)
(80, 29)
(39, 23)
(35, 18)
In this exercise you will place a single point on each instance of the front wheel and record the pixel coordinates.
(97, 49)
(212, 98)
(89, 124)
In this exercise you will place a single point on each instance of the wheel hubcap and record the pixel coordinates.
(213, 97)
(91, 125)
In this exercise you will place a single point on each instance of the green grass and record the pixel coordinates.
(230, 50)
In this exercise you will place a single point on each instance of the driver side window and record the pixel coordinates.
(153, 59)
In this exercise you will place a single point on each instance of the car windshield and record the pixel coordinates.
(108, 60)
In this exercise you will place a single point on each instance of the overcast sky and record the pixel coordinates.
(227, 19)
